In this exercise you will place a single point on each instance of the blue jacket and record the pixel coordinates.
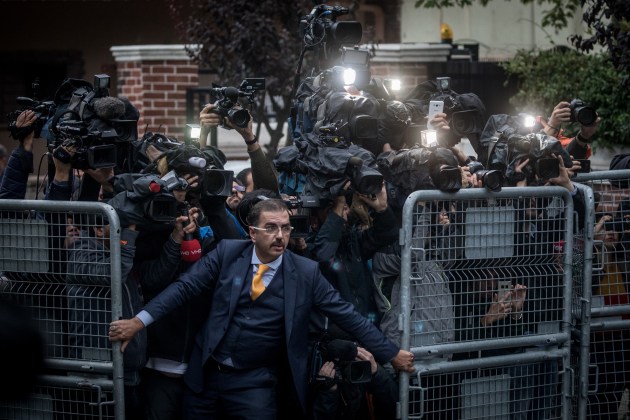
(222, 273)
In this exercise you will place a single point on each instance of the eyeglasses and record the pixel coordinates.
(273, 229)
(238, 189)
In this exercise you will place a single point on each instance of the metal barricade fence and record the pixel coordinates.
(486, 294)
(582, 269)
(606, 329)
(72, 300)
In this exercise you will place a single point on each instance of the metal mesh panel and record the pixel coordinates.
(60, 261)
(604, 331)
(514, 391)
(611, 261)
(489, 276)
(581, 279)
(467, 256)
(73, 309)
(62, 403)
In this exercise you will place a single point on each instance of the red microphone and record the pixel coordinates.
(190, 250)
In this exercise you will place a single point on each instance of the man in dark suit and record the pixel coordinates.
(261, 296)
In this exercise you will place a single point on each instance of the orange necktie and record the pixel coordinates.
(258, 287)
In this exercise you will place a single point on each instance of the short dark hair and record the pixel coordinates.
(273, 205)
(242, 175)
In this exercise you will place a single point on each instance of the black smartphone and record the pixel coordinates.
(585, 166)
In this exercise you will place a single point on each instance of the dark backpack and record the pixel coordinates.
(620, 162)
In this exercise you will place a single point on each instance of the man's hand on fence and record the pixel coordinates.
(124, 330)
(499, 309)
(404, 361)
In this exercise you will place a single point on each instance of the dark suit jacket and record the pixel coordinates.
(222, 273)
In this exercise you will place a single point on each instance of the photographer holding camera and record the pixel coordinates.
(340, 399)
(89, 272)
(344, 244)
(610, 289)
(574, 111)
(263, 172)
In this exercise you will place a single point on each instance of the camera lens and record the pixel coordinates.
(214, 182)
(492, 180)
(585, 115)
(582, 113)
(448, 179)
(463, 122)
(240, 117)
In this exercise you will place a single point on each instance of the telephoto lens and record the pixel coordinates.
(582, 113)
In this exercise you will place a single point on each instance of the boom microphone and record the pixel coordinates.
(109, 108)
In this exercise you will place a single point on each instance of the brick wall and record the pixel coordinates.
(155, 79)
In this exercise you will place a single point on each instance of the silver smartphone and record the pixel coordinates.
(505, 286)
(435, 107)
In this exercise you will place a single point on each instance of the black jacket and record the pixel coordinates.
(15, 177)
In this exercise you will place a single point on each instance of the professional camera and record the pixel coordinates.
(582, 113)
(320, 27)
(42, 109)
(464, 111)
(301, 209)
(140, 199)
(95, 143)
(492, 179)
(511, 149)
(207, 165)
(364, 179)
(228, 99)
(444, 170)
(343, 354)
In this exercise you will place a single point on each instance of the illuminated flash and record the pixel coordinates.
(428, 138)
(194, 131)
(396, 84)
(529, 121)
(349, 76)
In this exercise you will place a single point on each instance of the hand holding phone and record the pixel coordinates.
(435, 107)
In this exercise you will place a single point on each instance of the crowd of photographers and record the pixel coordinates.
(357, 154)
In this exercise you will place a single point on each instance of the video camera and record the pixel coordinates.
(511, 148)
(92, 123)
(343, 354)
(299, 220)
(320, 26)
(213, 180)
(462, 121)
(143, 198)
(363, 179)
(95, 144)
(464, 111)
(228, 99)
(42, 109)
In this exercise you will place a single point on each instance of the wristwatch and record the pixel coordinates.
(252, 141)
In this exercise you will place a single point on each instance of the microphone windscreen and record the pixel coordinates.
(355, 161)
(231, 92)
(109, 108)
(190, 251)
